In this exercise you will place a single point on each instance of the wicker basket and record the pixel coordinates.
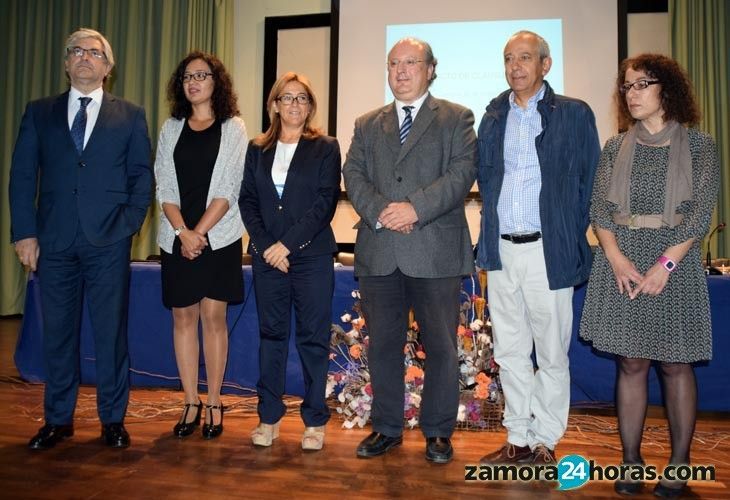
(488, 412)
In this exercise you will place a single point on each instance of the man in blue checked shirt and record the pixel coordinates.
(537, 157)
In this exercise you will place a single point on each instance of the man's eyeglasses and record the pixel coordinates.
(198, 76)
(410, 62)
(80, 51)
(637, 85)
(288, 99)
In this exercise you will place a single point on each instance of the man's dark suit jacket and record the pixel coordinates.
(107, 188)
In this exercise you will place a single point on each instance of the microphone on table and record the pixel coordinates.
(709, 269)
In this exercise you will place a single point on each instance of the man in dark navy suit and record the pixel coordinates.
(80, 185)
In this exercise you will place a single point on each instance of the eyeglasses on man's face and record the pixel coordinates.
(637, 85)
(80, 51)
(410, 62)
(198, 76)
(289, 98)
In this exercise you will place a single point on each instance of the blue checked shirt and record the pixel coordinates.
(519, 201)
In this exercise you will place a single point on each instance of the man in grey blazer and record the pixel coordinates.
(408, 170)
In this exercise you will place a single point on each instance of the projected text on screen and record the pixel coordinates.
(470, 57)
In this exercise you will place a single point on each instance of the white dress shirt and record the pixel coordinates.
(416, 106)
(92, 109)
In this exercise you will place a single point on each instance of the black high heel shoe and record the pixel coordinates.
(629, 487)
(183, 427)
(661, 490)
(210, 430)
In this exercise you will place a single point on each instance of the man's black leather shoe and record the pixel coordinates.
(439, 450)
(377, 444)
(115, 435)
(49, 435)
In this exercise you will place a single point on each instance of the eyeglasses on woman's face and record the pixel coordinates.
(198, 76)
(288, 99)
(637, 85)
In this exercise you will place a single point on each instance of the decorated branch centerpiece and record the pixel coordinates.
(480, 402)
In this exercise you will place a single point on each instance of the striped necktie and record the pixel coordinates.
(78, 127)
(407, 124)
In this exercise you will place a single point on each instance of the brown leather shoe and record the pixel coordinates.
(542, 455)
(508, 454)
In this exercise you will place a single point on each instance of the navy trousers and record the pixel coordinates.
(308, 287)
(102, 273)
(386, 301)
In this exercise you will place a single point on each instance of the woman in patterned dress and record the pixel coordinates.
(647, 300)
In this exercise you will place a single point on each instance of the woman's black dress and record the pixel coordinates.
(215, 274)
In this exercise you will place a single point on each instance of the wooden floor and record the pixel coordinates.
(158, 465)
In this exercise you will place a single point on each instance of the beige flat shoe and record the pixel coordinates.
(264, 434)
(313, 438)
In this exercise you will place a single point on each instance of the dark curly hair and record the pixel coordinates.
(678, 100)
(223, 100)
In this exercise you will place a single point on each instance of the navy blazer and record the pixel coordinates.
(568, 152)
(301, 218)
(107, 188)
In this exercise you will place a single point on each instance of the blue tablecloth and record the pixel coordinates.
(593, 374)
(151, 351)
(152, 356)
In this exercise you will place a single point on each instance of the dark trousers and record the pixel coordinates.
(308, 286)
(103, 274)
(386, 301)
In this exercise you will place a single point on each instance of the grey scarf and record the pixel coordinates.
(679, 175)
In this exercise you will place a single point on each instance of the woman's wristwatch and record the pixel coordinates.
(667, 263)
(179, 230)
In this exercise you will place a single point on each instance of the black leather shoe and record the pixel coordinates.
(377, 444)
(439, 450)
(210, 430)
(183, 427)
(627, 487)
(115, 435)
(49, 435)
(683, 491)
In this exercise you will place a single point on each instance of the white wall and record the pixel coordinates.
(248, 54)
(648, 33)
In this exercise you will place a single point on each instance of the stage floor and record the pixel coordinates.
(158, 465)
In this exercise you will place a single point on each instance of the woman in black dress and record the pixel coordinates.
(290, 191)
(199, 168)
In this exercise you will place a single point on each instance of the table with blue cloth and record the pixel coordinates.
(152, 357)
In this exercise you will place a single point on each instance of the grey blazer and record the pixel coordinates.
(434, 170)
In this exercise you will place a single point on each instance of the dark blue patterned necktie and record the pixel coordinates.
(78, 128)
(407, 123)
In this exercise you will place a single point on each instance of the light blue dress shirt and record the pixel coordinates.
(519, 201)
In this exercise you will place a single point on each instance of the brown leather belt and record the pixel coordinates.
(641, 221)
(521, 238)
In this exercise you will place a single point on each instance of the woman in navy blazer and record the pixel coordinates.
(291, 185)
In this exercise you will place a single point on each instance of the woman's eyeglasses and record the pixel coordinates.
(637, 85)
(198, 76)
(288, 99)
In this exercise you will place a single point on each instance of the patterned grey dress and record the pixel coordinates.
(673, 326)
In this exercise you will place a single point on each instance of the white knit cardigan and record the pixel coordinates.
(225, 182)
